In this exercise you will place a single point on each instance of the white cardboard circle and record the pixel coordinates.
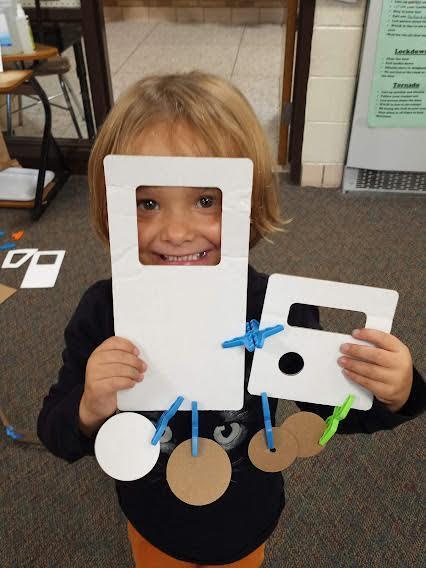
(123, 446)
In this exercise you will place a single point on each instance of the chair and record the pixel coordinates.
(30, 188)
(59, 66)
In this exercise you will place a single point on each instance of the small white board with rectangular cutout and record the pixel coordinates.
(321, 379)
(178, 316)
(40, 274)
(24, 254)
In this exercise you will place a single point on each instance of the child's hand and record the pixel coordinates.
(385, 369)
(112, 366)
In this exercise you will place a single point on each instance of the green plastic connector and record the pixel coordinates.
(339, 413)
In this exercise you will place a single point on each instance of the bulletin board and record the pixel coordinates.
(394, 35)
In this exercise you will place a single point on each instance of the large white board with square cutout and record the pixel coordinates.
(321, 380)
(178, 316)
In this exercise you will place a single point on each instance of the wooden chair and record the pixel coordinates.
(10, 81)
(59, 66)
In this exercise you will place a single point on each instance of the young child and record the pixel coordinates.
(196, 114)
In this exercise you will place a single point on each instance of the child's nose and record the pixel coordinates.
(177, 230)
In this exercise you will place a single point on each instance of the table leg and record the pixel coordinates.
(47, 133)
(9, 114)
(82, 77)
(47, 141)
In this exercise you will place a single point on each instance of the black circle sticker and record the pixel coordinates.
(291, 363)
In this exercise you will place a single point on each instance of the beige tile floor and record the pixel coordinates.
(250, 56)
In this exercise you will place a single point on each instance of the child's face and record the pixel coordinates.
(177, 225)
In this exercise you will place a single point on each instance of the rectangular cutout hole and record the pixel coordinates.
(47, 259)
(17, 257)
(333, 320)
(179, 226)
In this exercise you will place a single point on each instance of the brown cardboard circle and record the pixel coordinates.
(286, 450)
(202, 479)
(307, 428)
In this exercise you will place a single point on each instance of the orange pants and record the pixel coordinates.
(146, 555)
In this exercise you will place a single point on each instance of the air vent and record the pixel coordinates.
(384, 181)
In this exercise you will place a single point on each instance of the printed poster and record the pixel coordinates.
(398, 94)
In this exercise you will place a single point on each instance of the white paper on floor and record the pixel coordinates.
(41, 275)
(320, 380)
(178, 316)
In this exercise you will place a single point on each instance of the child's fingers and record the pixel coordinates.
(368, 370)
(116, 342)
(379, 338)
(380, 390)
(118, 356)
(119, 370)
(115, 384)
(369, 354)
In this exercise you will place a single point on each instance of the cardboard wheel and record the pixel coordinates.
(199, 480)
(123, 446)
(307, 428)
(286, 450)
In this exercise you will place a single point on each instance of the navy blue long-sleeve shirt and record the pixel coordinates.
(246, 515)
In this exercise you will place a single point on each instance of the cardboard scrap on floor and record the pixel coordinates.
(6, 292)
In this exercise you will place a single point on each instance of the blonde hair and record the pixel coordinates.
(220, 117)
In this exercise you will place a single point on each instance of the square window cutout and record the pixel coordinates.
(179, 226)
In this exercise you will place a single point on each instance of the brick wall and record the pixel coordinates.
(219, 11)
(336, 44)
(218, 3)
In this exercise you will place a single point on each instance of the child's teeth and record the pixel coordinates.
(186, 258)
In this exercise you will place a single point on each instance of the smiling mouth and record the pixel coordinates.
(184, 258)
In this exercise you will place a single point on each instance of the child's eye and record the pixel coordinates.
(206, 201)
(148, 204)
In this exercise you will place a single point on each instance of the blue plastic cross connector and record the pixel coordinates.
(268, 423)
(10, 431)
(164, 420)
(8, 246)
(194, 439)
(254, 337)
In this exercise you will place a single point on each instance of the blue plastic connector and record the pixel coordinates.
(268, 423)
(7, 246)
(10, 431)
(254, 337)
(194, 438)
(164, 419)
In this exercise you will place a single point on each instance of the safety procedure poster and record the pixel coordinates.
(398, 94)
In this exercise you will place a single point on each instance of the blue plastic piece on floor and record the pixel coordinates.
(268, 423)
(254, 337)
(164, 419)
(8, 246)
(194, 439)
(10, 431)
(1, 233)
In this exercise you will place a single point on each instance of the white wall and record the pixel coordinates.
(336, 45)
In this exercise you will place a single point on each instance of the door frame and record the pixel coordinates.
(91, 17)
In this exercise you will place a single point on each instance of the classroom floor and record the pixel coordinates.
(250, 56)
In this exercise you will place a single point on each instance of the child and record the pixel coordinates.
(196, 114)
